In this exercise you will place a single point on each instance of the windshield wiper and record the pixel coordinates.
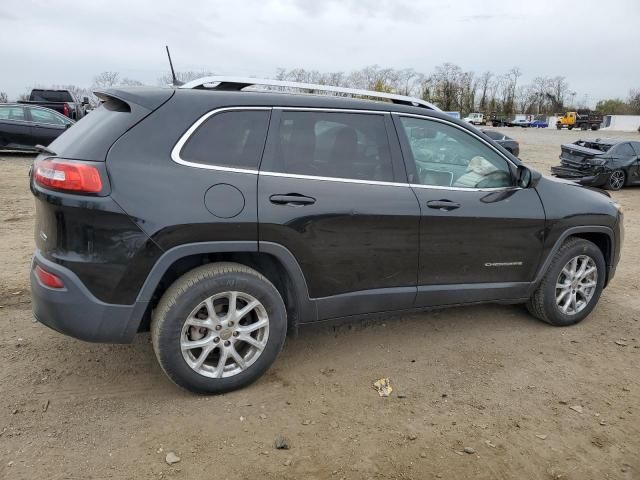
(43, 149)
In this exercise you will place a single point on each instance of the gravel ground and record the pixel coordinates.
(484, 392)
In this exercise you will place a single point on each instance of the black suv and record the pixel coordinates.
(220, 219)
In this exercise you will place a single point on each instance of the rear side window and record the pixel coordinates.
(625, 150)
(332, 144)
(11, 113)
(229, 139)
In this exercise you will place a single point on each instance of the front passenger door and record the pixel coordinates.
(480, 235)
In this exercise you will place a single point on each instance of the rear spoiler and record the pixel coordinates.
(147, 98)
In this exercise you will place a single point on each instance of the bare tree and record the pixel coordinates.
(3, 97)
(106, 80)
(484, 82)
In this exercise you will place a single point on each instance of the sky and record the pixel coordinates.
(594, 44)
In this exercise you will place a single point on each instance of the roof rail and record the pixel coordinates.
(239, 83)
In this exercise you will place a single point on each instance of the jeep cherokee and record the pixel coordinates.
(220, 218)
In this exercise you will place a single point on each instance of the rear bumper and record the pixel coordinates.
(582, 177)
(74, 311)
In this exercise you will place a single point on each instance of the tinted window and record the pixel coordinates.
(636, 147)
(45, 116)
(625, 150)
(230, 139)
(447, 156)
(328, 144)
(11, 113)
(51, 96)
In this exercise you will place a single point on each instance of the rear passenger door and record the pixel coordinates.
(332, 190)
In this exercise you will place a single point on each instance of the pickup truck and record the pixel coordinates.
(63, 101)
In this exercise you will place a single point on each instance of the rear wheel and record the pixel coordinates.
(570, 127)
(616, 180)
(595, 127)
(584, 126)
(572, 285)
(558, 126)
(218, 328)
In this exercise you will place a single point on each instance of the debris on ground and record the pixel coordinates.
(576, 408)
(541, 436)
(412, 436)
(488, 442)
(263, 416)
(281, 443)
(45, 407)
(469, 450)
(171, 458)
(383, 386)
(621, 343)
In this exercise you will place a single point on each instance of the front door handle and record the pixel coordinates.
(444, 205)
(292, 199)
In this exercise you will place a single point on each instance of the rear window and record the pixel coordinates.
(11, 113)
(51, 96)
(603, 147)
(229, 139)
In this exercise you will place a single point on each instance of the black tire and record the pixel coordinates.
(570, 127)
(542, 303)
(617, 179)
(558, 126)
(584, 126)
(185, 294)
(595, 127)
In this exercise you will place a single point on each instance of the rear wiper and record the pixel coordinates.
(43, 149)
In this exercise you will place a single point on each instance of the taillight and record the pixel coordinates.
(48, 279)
(65, 109)
(68, 175)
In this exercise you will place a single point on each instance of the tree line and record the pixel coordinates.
(449, 87)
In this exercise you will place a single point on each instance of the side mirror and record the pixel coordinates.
(85, 100)
(524, 176)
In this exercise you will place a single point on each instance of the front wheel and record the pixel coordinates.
(595, 127)
(218, 328)
(616, 180)
(572, 285)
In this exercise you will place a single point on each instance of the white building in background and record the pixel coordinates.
(624, 123)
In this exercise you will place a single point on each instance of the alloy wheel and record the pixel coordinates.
(616, 180)
(225, 334)
(576, 284)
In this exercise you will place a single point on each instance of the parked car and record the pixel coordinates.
(520, 122)
(23, 127)
(538, 124)
(507, 142)
(608, 163)
(221, 219)
(62, 101)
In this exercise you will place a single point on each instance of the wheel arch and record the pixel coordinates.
(599, 235)
(273, 261)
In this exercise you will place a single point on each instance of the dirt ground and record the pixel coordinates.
(532, 401)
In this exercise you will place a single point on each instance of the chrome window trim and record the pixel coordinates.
(175, 152)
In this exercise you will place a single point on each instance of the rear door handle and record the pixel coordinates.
(445, 205)
(292, 199)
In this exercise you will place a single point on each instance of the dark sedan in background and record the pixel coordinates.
(23, 127)
(608, 163)
(507, 142)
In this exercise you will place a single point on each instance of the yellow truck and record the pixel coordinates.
(582, 119)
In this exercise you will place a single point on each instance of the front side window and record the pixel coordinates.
(44, 116)
(333, 144)
(11, 113)
(446, 156)
(229, 139)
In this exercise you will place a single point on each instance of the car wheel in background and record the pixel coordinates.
(572, 285)
(616, 180)
(595, 127)
(218, 328)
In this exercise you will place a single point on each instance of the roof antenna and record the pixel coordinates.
(176, 82)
